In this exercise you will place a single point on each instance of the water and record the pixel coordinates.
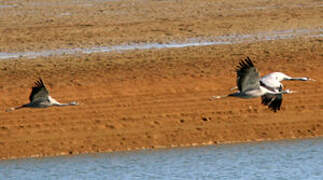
(6, 6)
(199, 41)
(297, 159)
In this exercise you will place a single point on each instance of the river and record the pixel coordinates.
(295, 159)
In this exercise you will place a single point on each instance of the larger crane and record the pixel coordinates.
(250, 86)
(273, 80)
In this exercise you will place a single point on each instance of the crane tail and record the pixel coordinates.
(218, 97)
(14, 108)
(234, 88)
(10, 109)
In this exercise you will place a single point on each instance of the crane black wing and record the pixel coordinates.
(273, 101)
(247, 75)
(38, 91)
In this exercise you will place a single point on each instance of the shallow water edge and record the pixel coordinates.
(198, 41)
(170, 146)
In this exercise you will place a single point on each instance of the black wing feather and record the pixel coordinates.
(247, 75)
(273, 101)
(38, 91)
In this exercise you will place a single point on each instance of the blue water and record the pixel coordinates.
(298, 159)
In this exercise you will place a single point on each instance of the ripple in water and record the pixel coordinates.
(298, 159)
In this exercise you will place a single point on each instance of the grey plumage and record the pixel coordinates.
(247, 76)
(39, 92)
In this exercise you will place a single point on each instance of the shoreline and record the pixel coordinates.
(192, 145)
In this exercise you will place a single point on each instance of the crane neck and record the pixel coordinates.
(299, 79)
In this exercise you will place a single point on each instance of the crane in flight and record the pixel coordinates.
(39, 98)
(250, 85)
(273, 80)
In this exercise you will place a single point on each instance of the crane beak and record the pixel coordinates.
(74, 103)
(311, 79)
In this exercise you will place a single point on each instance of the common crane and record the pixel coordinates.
(250, 86)
(39, 98)
(273, 80)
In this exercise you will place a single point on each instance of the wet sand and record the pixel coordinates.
(153, 98)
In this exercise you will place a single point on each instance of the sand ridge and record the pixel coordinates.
(151, 104)
(154, 98)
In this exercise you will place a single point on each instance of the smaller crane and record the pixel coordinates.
(39, 98)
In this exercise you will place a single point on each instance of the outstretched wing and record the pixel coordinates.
(247, 75)
(39, 91)
(273, 101)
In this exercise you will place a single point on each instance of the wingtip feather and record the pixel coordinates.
(245, 64)
(274, 103)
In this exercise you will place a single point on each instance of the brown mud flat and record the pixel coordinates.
(160, 97)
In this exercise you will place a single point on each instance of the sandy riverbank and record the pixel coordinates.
(158, 97)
